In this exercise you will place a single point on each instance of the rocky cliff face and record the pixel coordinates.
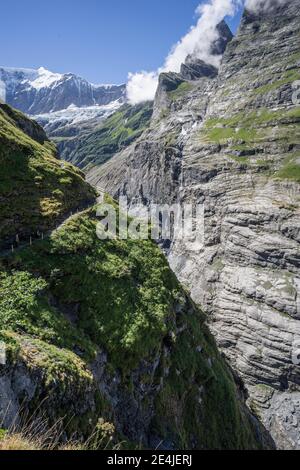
(232, 144)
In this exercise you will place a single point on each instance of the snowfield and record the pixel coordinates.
(75, 115)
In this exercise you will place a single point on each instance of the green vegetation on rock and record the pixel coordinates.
(198, 375)
(246, 132)
(71, 295)
(288, 77)
(96, 146)
(36, 189)
(129, 283)
(290, 169)
(181, 90)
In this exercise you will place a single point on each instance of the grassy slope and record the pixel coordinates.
(120, 276)
(69, 295)
(35, 188)
(130, 313)
(98, 145)
(181, 90)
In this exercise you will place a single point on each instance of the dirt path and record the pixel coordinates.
(69, 216)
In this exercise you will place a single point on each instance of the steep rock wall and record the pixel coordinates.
(232, 143)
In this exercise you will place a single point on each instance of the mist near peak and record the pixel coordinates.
(198, 42)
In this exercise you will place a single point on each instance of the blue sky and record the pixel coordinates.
(100, 40)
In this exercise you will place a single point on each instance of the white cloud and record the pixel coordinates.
(200, 38)
(142, 86)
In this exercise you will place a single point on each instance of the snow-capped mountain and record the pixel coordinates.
(41, 91)
(62, 103)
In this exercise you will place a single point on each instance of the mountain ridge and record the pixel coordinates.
(41, 91)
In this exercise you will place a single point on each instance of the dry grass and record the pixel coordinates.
(35, 434)
(18, 442)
